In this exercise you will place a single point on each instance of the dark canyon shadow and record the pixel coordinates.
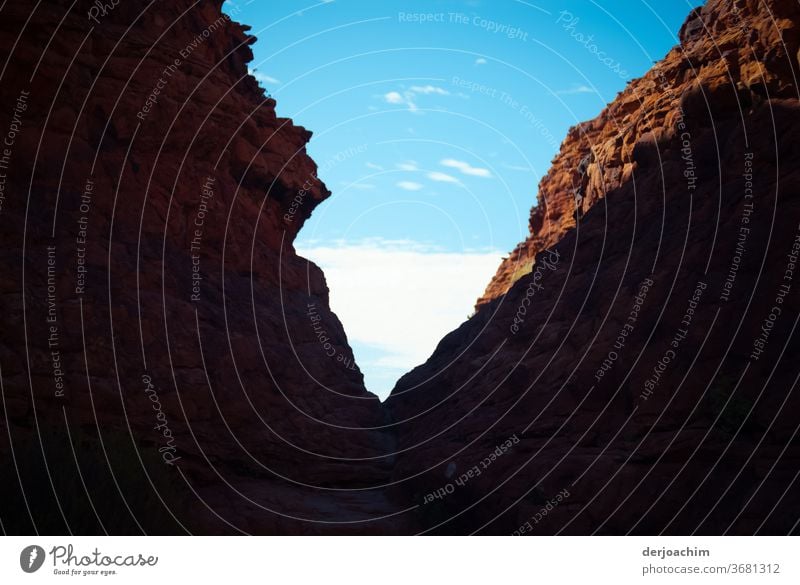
(121, 313)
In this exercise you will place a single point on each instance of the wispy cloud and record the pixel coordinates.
(429, 89)
(401, 99)
(409, 186)
(466, 168)
(374, 167)
(408, 165)
(576, 90)
(408, 97)
(394, 97)
(263, 77)
(417, 293)
(442, 177)
(480, 61)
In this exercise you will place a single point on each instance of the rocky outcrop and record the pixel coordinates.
(630, 367)
(152, 294)
(732, 55)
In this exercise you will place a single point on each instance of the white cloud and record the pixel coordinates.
(408, 97)
(576, 89)
(398, 299)
(429, 89)
(374, 167)
(466, 168)
(409, 186)
(262, 77)
(442, 177)
(394, 97)
(409, 165)
(401, 99)
(480, 61)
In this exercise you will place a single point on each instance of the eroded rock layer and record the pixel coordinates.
(151, 292)
(169, 364)
(639, 348)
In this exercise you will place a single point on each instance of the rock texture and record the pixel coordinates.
(169, 364)
(732, 56)
(152, 294)
(640, 343)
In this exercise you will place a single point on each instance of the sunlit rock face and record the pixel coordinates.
(639, 342)
(631, 367)
(732, 57)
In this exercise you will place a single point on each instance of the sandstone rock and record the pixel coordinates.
(648, 428)
(199, 182)
(124, 316)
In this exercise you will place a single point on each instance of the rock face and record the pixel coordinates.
(639, 343)
(733, 56)
(152, 291)
(169, 364)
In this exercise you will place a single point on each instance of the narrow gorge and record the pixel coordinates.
(631, 368)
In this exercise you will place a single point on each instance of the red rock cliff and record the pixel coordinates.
(169, 364)
(153, 297)
(631, 361)
(726, 53)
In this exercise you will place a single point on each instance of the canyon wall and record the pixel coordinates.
(155, 311)
(632, 365)
(169, 364)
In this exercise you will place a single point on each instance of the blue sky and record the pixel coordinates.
(433, 123)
